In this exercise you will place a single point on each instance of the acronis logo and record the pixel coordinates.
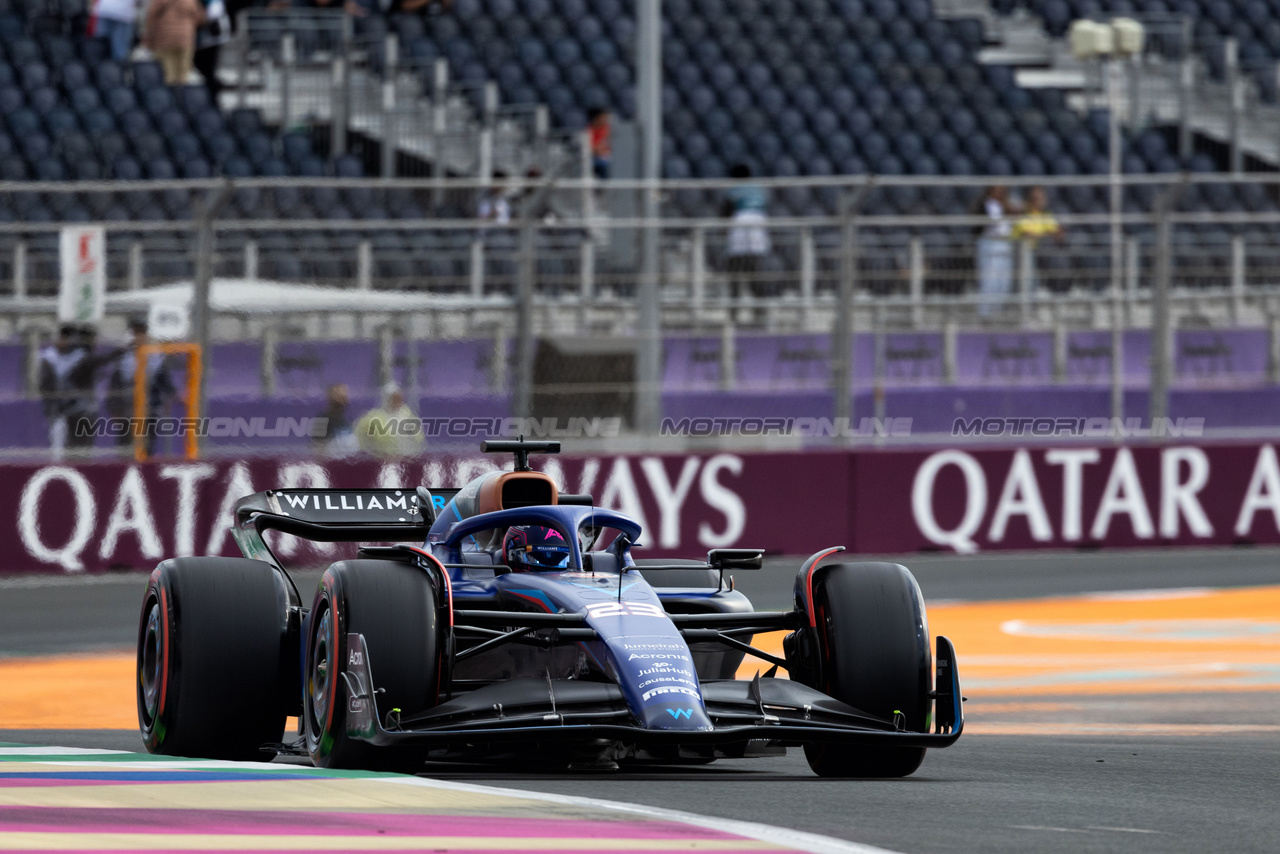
(680, 713)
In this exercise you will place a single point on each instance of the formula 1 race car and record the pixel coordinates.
(517, 627)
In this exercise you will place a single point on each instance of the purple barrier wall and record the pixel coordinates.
(111, 514)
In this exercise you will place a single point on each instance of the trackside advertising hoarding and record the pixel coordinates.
(96, 516)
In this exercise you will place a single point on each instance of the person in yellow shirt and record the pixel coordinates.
(390, 430)
(1036, 224)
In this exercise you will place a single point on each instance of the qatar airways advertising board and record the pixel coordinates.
(97, 516)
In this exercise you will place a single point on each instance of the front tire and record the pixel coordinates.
(874, 644)
(214, 673)
(393, 606)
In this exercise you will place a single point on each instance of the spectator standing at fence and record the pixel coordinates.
(391, 429)
(1036, 224)
(494, 206)
(115, 21)
(68, 372)
(994, 249)
(746, 204)
(170, 33)
(121, 384)
(339, 437)
(212, 35)
(599, 137)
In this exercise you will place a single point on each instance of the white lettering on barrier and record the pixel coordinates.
(1178, 498)
(670, 499)
(1021, 497)
(620, 493)
(84, 513)
(1263, 492)
(239, 484)
(131, 512)
(720, 497)
(959, 538)
(184, 526)
(1123, 494)
(1073, 462)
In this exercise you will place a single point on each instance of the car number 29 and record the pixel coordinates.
(624, 609)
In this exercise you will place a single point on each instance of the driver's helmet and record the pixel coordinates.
(535, 548)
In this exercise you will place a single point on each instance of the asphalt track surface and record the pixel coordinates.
(1058, 770)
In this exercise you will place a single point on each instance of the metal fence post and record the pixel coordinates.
(1237, 278)
(541, 130)
(288, 58)
(267, 374)
(808, 273)
(698, 270)
(1026, 277)
(477, 266)
(1059, 352)
(251, 260)
(728, 356)
(364, 265)
(20, 270)
(1132, 260)
(525, 344)
(842, 341)
(242, 61)
(135, 266)
(1235, 92)
(337, 108)
(587, 270)
(439, 124)
(915, 280)
(389, 115)
(1186, 83)
(1273, 363)
(207, 210)
(1161, 316)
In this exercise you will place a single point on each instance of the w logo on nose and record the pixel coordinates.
(681, 713)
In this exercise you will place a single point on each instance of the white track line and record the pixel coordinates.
(796, 839)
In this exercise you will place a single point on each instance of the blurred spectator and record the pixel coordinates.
(1036, 224)
(115, 20)
(390, 430)
(339, 438)
(170, 33)
(212, 35)
(749, 240)
(160, 386)
(68, 371)
(994, 251)
(599, 131)
(494, 206)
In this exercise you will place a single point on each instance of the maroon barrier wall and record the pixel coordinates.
(97, 516)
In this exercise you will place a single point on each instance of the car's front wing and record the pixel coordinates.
(557, 710)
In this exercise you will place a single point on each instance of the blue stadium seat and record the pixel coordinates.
(23, 122)
(73, 76)
(42, 99)
(237, 167)
(210, 122)
(126, 169)
(85, 99)
(11, 99)
(196, 167)
(146, 75)
(148, 147)
(120, 99)
(348, 166)
(158, 100)
(161, 169)
(49, 169)
(60, 120)
(134, 122)
(245, 121)
(221, 147)
(258, 148)
(111, 145)
(107, 75)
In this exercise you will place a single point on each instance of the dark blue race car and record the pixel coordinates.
(517, 627)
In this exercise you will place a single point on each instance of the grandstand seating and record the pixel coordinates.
(790, 87)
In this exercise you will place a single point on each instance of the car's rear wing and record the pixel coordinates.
(335, 516)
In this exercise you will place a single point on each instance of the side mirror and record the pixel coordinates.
(723, 559)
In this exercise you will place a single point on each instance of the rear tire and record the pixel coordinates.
(393, 606)
(874, 641)
(214, 673)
